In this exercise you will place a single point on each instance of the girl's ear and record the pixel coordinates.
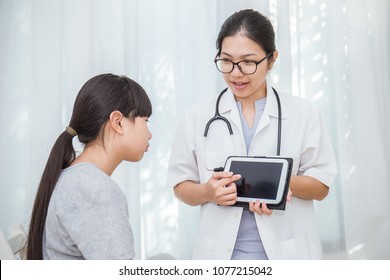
(273, 59)
(116, 118)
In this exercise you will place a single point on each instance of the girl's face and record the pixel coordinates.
(245, 87)
(137, 136)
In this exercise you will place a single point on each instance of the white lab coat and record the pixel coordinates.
(288, 234)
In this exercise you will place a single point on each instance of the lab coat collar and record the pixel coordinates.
(228, 103)
(271, 106)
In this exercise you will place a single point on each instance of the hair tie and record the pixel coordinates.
(71, 131)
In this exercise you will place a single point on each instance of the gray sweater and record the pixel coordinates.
(87, 217)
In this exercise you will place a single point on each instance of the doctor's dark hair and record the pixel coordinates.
(253, 25)
(97, 99)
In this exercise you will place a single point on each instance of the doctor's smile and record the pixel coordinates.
(239, 86)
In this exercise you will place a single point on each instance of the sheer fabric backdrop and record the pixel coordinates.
(334, 53)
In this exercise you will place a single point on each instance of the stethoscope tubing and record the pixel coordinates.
(279, 122)
(217, 116)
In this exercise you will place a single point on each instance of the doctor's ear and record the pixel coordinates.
(273, 59)
(115, 121)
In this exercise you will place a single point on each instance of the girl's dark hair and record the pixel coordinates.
(94, 103)
(253, 25)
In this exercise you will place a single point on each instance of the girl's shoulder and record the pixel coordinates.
(86, 180)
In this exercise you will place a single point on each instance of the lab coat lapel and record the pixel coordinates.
(228, 108)
(270, 110)
(264, 120)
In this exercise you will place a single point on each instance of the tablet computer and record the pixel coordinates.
(262, 178)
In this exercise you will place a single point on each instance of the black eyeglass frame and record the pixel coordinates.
(238, 64)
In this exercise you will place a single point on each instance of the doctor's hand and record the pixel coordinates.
(261, 208)
(289, 195)
(221, 188)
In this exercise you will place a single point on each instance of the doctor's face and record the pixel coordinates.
(245, 87)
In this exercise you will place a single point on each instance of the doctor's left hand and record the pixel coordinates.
(261, 208)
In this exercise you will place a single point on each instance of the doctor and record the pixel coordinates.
(246, 52)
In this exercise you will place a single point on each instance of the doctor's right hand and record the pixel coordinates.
(221, 188)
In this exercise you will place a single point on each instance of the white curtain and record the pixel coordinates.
(335, 53)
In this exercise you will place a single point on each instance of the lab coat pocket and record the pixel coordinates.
(204, 248)
(203, 243)
(296, 248)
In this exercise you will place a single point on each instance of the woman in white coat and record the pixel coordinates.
(246, 52)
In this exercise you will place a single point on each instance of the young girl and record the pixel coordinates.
(246, 52)
(79, 211)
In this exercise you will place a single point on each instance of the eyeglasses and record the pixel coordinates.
(246, 67)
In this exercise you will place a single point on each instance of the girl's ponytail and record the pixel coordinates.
(61, 156)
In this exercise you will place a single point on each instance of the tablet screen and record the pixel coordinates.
(258, 179)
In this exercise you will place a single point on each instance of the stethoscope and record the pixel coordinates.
(217, 116)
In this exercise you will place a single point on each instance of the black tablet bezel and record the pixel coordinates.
(280, 201)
